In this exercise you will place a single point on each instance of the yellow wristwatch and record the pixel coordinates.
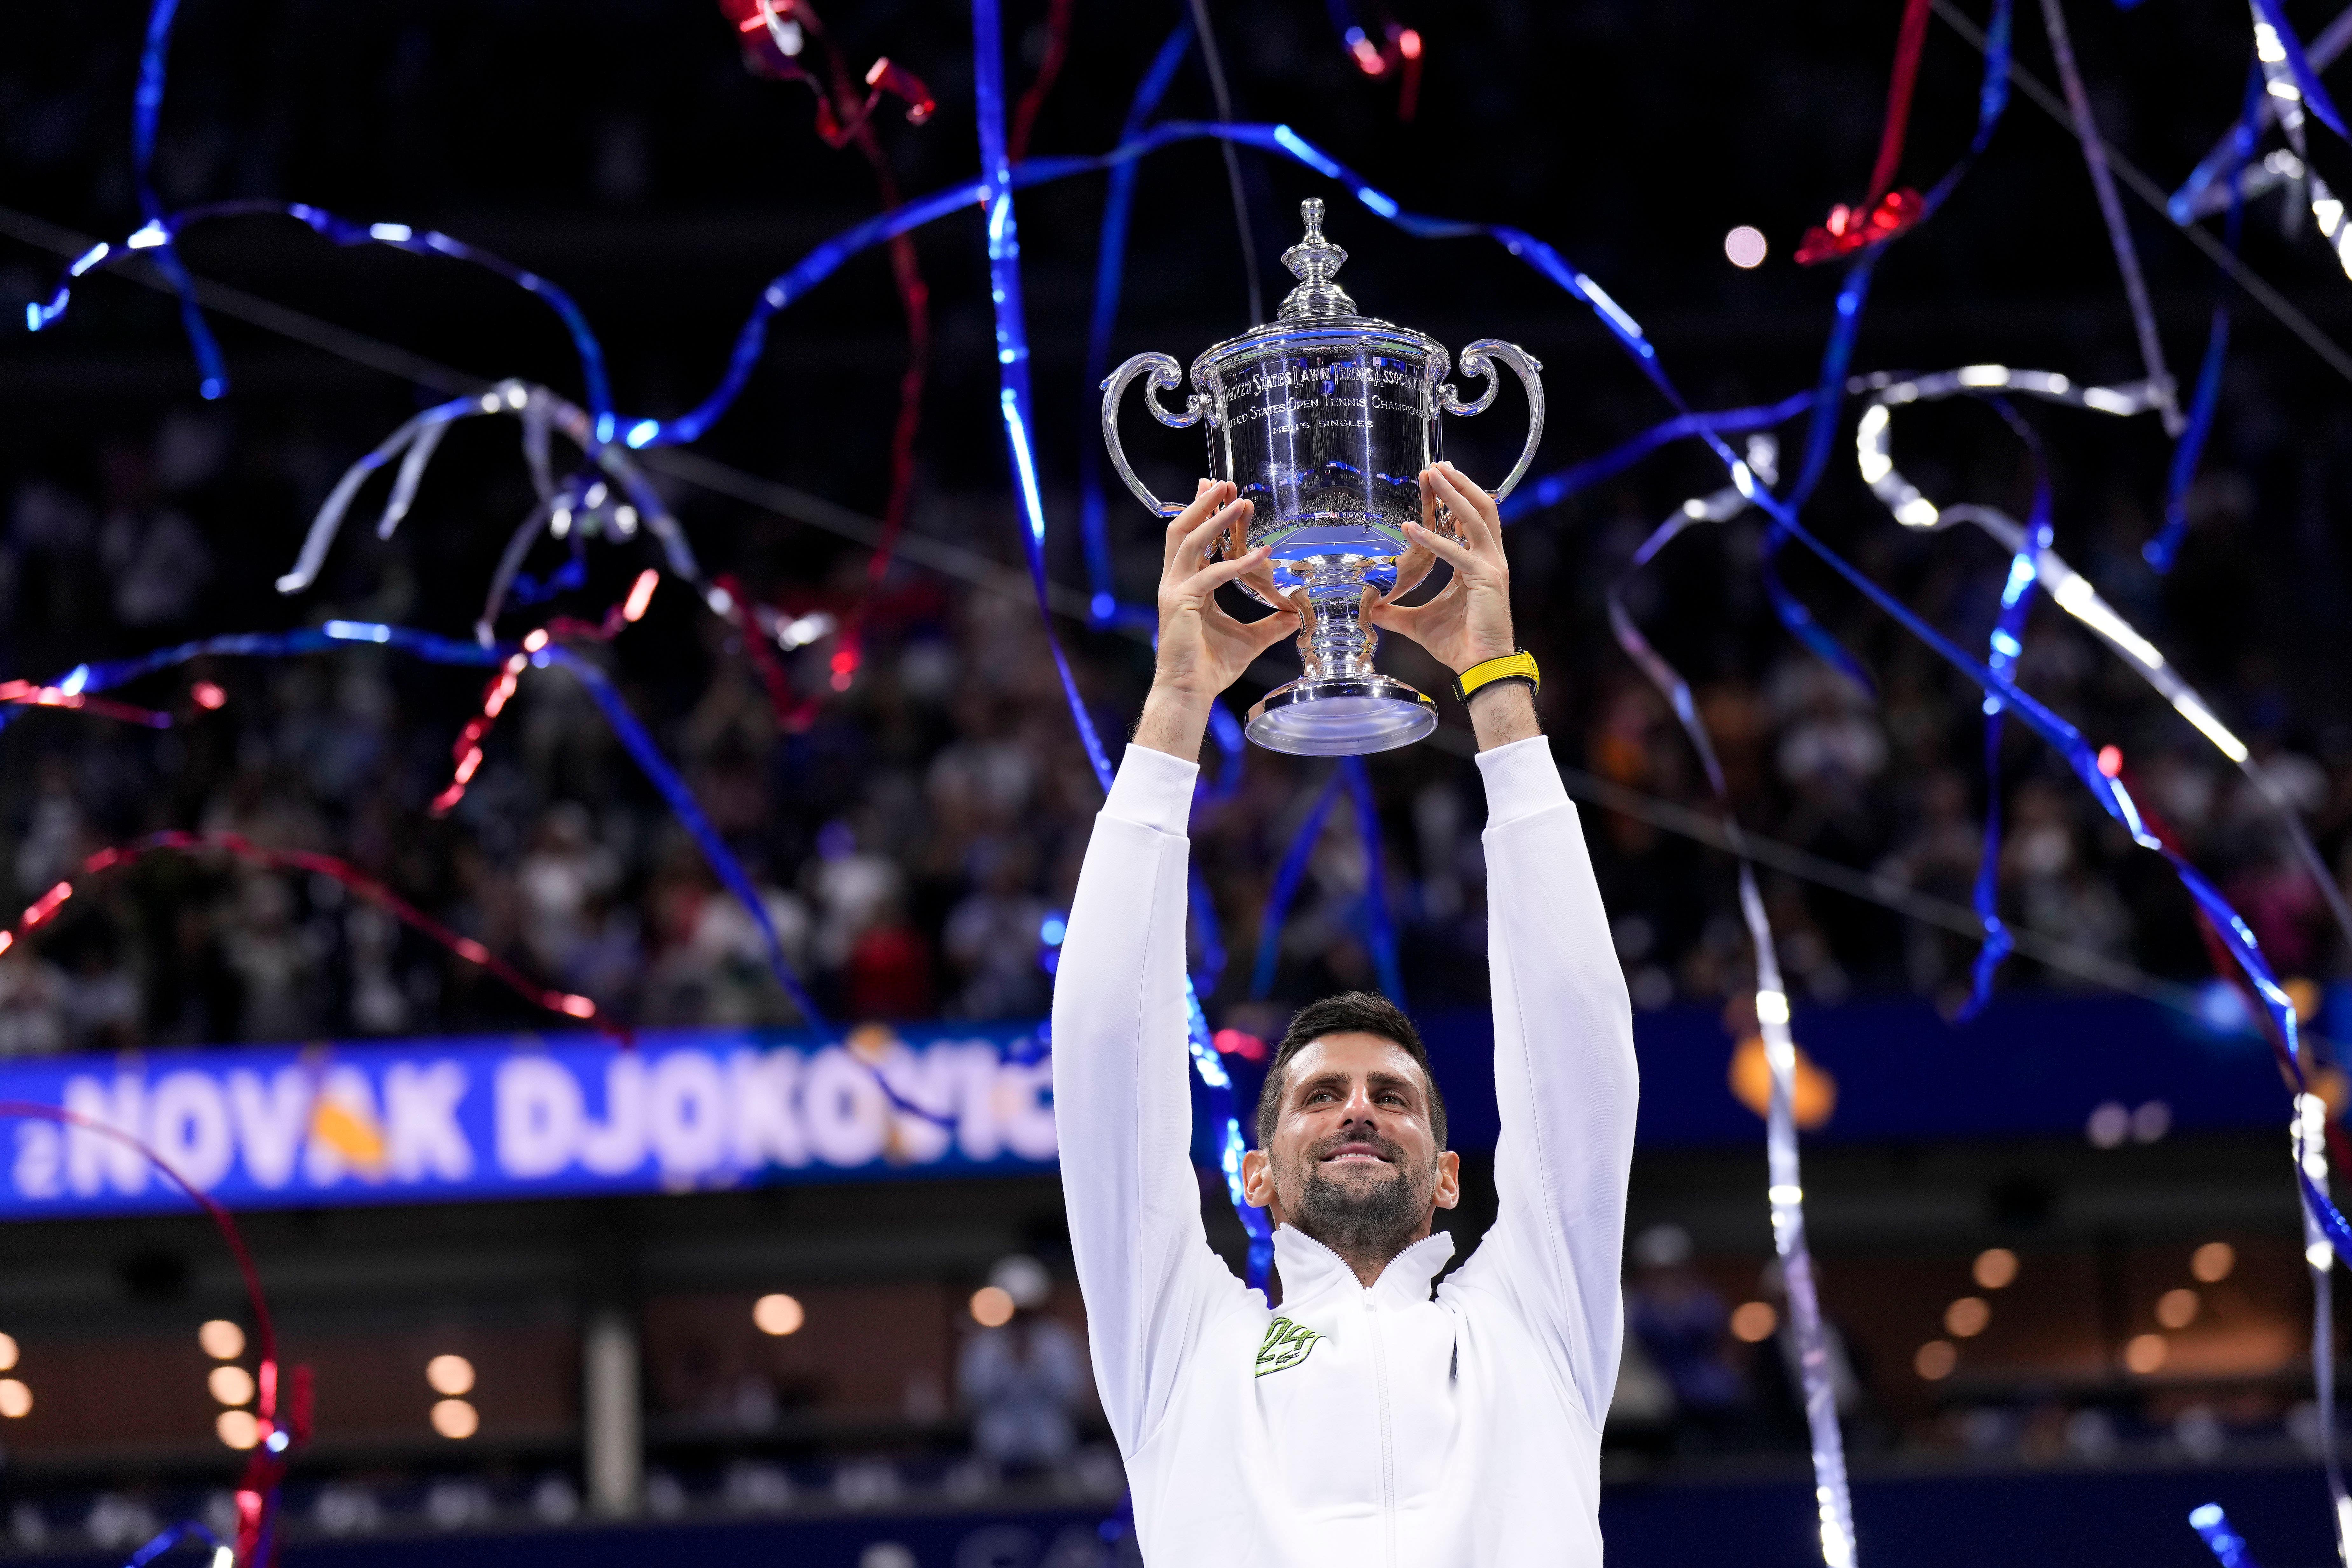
(1518, 666)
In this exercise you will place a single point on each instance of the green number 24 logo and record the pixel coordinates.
(1286, 1345)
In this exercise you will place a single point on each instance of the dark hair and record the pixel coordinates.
(1349, 1012)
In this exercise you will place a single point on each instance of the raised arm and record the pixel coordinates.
(1565, 1078)
(1122, 1102)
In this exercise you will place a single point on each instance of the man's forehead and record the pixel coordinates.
(1353, 1054)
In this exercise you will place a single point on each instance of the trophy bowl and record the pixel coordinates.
(1324, 419)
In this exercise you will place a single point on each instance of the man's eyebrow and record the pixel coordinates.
(1330, 1078)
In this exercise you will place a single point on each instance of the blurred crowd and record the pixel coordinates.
(914, 813)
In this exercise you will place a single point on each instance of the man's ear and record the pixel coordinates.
(1257, 1178)
(1449, 1180)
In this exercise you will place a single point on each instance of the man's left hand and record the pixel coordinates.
(1469, 621)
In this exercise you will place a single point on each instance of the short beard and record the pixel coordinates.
(1362, 1224)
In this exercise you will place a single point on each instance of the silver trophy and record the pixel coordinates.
(1325, 419)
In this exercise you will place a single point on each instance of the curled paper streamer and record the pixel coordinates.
(612, 501)
(2035, 562)
(2068, 589)
(2111, 212)
(1785, 1190)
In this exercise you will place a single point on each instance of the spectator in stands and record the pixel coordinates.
(1024, 1381)
(1685, 1327)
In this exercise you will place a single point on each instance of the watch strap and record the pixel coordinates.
(1517, 666)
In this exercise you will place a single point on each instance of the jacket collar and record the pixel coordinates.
(1312, 1271)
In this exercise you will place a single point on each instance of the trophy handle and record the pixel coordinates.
(1164, 378)
(1477, 360)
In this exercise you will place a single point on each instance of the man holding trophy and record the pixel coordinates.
(1363, 1421)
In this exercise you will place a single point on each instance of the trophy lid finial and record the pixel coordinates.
(1315, 262)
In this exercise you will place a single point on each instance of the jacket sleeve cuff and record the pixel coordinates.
(1153, 790)
(1521, 781)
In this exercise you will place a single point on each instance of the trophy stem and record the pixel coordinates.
(1342, 706)
(1337, 644)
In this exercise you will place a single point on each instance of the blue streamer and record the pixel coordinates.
(2007, 645)
(1380, 922)
(186, 1530)
(2227, 1545)
(2307, 80)
(1110, 268)
(147, 108)
(1013, 402)
(1013, 349)
(161, 231)
(1286, 878)
(1554, 488)
(2165, 548)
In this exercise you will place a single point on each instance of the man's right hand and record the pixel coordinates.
(1203, 649)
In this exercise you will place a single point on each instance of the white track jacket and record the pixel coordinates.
(1380, 1427)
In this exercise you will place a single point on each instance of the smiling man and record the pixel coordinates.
(1367, 1420)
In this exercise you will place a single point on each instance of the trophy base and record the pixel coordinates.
(1341, 716)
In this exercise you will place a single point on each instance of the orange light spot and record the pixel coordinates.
(578, 1007)
(1409, 44)
(207, 695)
(1754, 1322)
(1751, 1085)
(2111, 761)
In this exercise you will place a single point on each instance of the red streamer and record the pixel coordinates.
(1057, 48)
(843, 118)
(257, 1489)
(26, 694)
(1397, 54)
(467, 751)
(44, 908)
(1885, 212)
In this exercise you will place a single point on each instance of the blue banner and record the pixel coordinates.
(521, 1117)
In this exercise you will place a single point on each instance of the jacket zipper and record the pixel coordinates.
(1388, 1451)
